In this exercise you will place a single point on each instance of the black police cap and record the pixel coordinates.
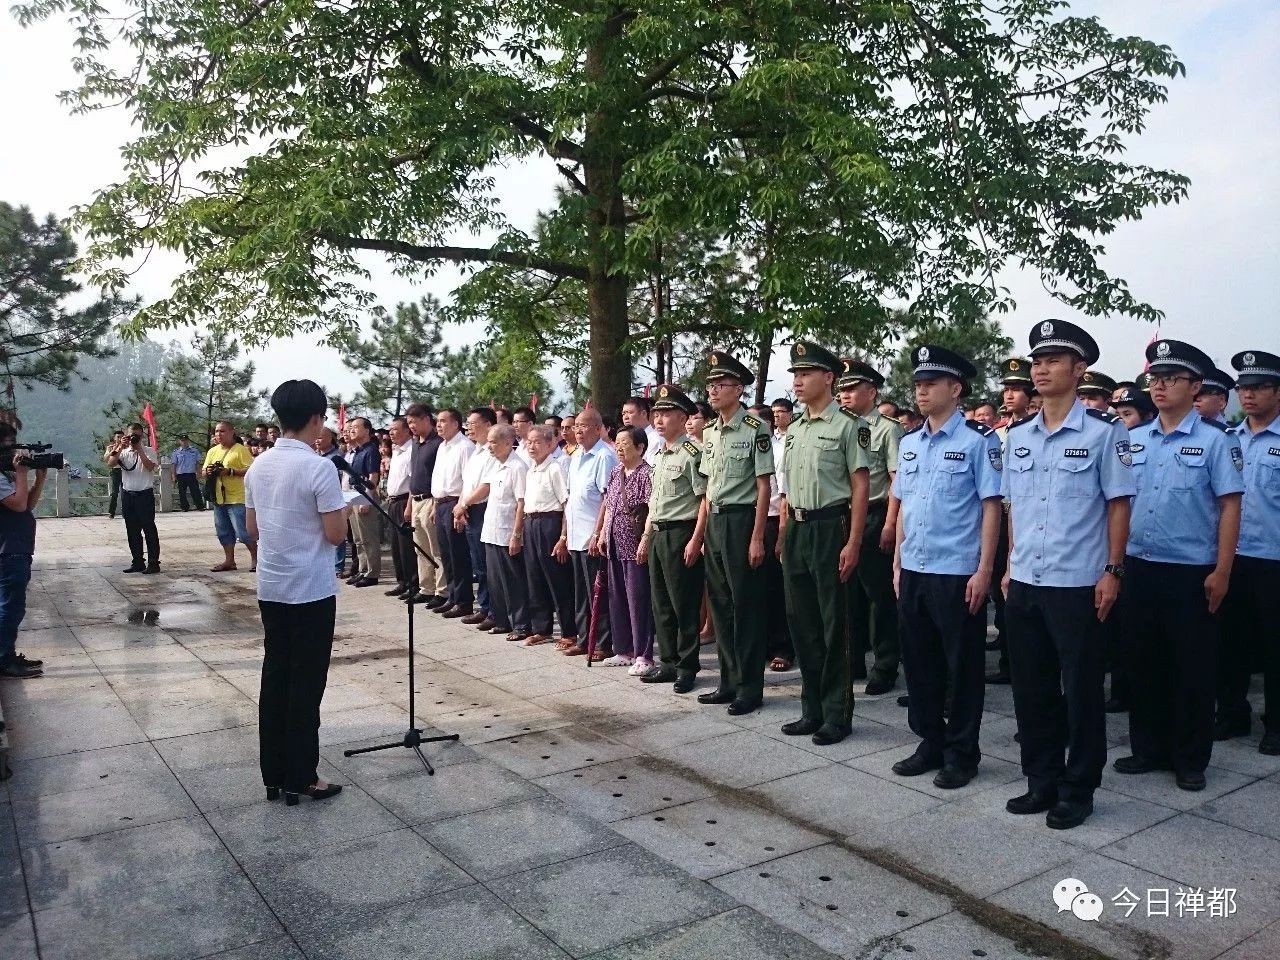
(1128, 395)
(1255, 368)
(1061, 336)
(930, 361)
(1169, 356)
(1217, 381)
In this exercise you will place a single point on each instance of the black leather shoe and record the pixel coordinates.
(657, 674)
(1189, 781)
(999, 677)
(828, 734)
(1137, 764)
(395, 591)
(992, 645)
(717, 696)
(435, 603)
(26, 661)
(915, 765)
(366, 582)
(1115, 706)
(1032, 802)
(152, 568)
(135, 568)
(1068, 813)
(353, 578)
(683, 684)
(456, 613)
(1226, 729)
(952, 778)
(1270, 744)
(801, 728)
(742, 707)
(312, 793)
(878, 686)
(904, 700)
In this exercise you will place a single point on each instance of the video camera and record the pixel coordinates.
(36, 456)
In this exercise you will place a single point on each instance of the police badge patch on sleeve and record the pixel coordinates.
(1122, 449)
(763, 444)
(864, 437)
(1237, 458)
(993, 454)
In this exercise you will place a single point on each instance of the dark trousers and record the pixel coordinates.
(630, 609)
(585, 567)
(404, 561)
(676, 594)
(943, 643)
(1057, 660)
(1251, 636)
(139, 509)
(1175, 639)
(456, 556)
(295, 666)
(479, 556)
(1117, 632)
(817, 608)
(116, 474)
(736, 598)
(873, 609)
(189, 485)
(550, 581)
(15, 574)
(777, 631)
(999, 568)
(508, 592)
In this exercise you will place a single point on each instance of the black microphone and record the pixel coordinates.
(357, 481)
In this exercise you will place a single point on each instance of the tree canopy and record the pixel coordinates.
(842, 156)
(401, 358)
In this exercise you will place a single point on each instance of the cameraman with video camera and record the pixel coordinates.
(18, 498)
(137, 463)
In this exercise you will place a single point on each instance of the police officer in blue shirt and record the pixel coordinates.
(1068, 480)
(1214, 395)
(1182, 543)
(1252, 609)
(948, 485)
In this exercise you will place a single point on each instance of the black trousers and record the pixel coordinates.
(1250, 638)
(873, 609)
(116, 474)
(585, 567)
(999, 568)
(295, 667)
(508, 588)
(139, 509)
(675, 592)
(942, 643)
(189, 485)
(404, 561)
(1117, 632)
(1057, 659)
(1175, 646)
(550, 581)
(456, 555)
(777, 629)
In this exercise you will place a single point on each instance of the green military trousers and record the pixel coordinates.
(676, 595)
(735, 595)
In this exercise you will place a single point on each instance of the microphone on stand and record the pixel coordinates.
(357, 481)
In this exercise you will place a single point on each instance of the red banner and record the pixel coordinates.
(149, 418)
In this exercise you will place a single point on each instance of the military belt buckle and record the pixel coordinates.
(715, 508)
(798, 513)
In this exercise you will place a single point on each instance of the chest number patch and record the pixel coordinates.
(954, 455)
(1192, 451)
(1076, 452)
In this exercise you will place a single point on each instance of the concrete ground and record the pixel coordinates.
(583, 814)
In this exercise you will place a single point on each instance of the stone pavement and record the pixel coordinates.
(583, 814)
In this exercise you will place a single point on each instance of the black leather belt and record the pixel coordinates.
(733, 508)
(669, 524)
(398, 496)
(447, 499)
(543, 513)
(831, 510)
(419, 497)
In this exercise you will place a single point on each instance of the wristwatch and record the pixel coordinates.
(1115, 569)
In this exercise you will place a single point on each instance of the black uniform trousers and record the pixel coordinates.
(404, 560)
(999, 568)
(139, 510)
(295, 668)
(734, 593)
(550, 581)
(1251, 637)
(942, 644)
(675, 592)
(189, 485)
(585, 567)
(873, 609)
(1057, 661)
(1117, 631)
(1175, 639)
(455, 554)
(777, 629)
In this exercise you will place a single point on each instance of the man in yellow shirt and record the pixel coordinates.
(224, 468)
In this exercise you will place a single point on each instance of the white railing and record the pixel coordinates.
(67, 496)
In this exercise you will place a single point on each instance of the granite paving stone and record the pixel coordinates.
(542, 753)
(17, 937)
(623, 788)
(454, 790)
(112, 805)
(840, 799)
(1263, 945)
(740, 759)
(1255, 807)
(740, 934)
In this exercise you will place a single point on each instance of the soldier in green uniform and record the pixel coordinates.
(873, 609)
(672, 542)
(825, 515)
(737, 460)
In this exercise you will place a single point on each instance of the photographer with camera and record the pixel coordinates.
(18, 497)
(138, 463)
(224, 468)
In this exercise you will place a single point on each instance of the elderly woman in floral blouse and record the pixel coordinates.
(616, 538)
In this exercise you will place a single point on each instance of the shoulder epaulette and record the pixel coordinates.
(982, 428)
(1102, 415)
(913, 430)
(1214, 423)
(691, 448)
(1019, 423)
(850, 414)
(751, 421)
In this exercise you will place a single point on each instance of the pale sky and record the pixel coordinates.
(1212, 263)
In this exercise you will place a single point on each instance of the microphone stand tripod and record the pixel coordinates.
(413, 738)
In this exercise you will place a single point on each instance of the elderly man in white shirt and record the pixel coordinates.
(468, 513)
(503, 537)
(589, 470)
(546, 561)
(294, 510)
(404, 559)
(446, 489)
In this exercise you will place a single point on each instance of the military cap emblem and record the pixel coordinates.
(922, 354)
(845, 364)
(662, 391)
(1013, 364)
(1162, 348)
(1046, 329)
(800, 350)
(714, 360)
(864, 437)
(1248, 359)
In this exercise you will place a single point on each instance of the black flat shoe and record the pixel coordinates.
(1000, 677)
(717, 696)
(953, 778)
(366, 582)
(273, 793)
(828, 734)
(876, 686)
(1068, 814)
(1136, 764)
(1227, 729)
(915, 765)
(152, 568)
(1031, 802)
(1190, 781)
(658, 675)
(1115, 706)
(136, 568)
(315, 793)
(683, 684)
(741, 707)
(1270, 744)
(801, 728)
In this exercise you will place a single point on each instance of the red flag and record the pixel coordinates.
(1147, 366)
(150, 419)
(342, 417)
(587, 405)
(646, 391)
(533, 402)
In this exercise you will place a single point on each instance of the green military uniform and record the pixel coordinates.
(734, 454)
(675, 589)
(873, 607)
(822, 452)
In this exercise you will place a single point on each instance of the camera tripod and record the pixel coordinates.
(412, 738)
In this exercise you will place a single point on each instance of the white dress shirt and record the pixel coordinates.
(134, 477)
(546, 487)
(777, 482)
(288, 491)
(398, 474)
(446, 478)
(506, 488)
(522, 454)
(476, 473)
(656, 444)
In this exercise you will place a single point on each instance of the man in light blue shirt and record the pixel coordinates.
(1182, 543)
(1068, 480)
(947, 482)
(1252, 608)
(186, 462)
(589, 470)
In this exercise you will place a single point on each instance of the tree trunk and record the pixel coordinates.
(764, 352)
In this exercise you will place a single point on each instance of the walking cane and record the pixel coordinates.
(597, 596)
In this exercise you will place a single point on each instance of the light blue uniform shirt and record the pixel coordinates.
(1260, 514)
(1181, 475)
(184, 459)
(942, 479)
(588, 477)
(1058, 485)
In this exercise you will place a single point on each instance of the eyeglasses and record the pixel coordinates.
(715, 386)
(1167, 381)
